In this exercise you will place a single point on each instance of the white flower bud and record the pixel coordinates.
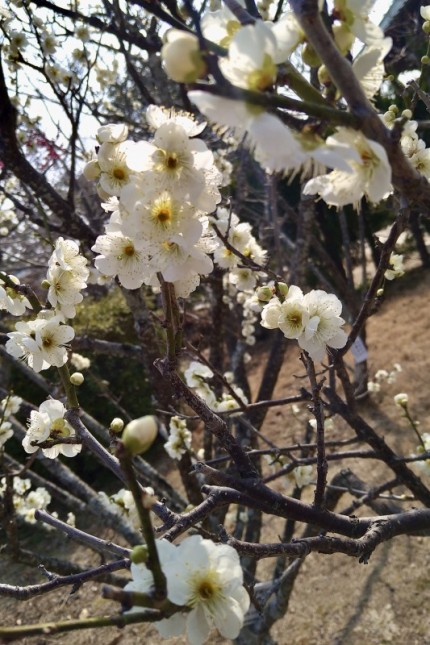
(140, 434)
(92, 170)
(401, 400)
(77, 378)
(116, 425)
(182, 58)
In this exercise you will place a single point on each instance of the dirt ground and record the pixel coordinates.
(336, 600)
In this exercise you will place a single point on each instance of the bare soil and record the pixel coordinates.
(336, 600)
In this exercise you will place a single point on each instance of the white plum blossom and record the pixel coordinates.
(302, 475)
(121, 256)
(203, 576)
(79, 361)
(424, 464)
(41, 342)
(11, 300)
(369, 68)
(370, 173)
(156, 116)
(10, 405)
(112, 133)
(323, 328)
(48, 423)
(396, 269)
(6, 431)
(196, 374)
(179, 441)
(208, 578)
(26, 501)
(122, 503)
(313, 319)
(355, 15)
(250, 63)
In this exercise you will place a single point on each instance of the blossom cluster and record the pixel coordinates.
(312, 319)
(254, 53)
(26, 501)
(159, 193)
(198, 376)
(204, 578)
(8, 406)
(384, 376)
(122, 503)
(11, 300)
(43, 341)
(179, 441)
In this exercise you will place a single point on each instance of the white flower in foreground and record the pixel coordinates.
(48, 423)
(324, 326)
(370, 176)
(396, 269)
(208, 578)
(179, 441)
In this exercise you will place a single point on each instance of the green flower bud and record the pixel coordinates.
(310, 57)
(140, 434)
(407, 114)
(426, 27)
(283, 289)
(139, 554)
(264, 293)
(45, 284)
(324, 76)
(425, 60)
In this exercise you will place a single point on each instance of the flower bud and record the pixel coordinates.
(265, 293)
(139, 554)
(140, 434)
(45, 284)
(182, 58)
(92, 170)
(407, 114)
(324, 76)
(380, 293)
(116, 425)
(310, 57)
(77, 378)
(282, 289)
(426, 27)
(401, 400)
(425, 60)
